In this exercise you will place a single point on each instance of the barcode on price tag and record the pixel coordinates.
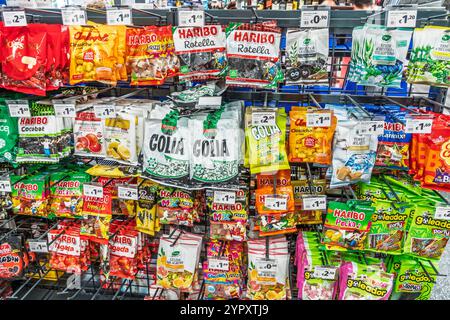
(328, 273)
(221, 264)
(18, 108)
(322, 119)
(103, 111)
(16, 18)
(5, 185)
(371, 127)
(266, 268)
(64, 109)
(39, 246)
(263, 119)
(73, 16)
(442, 213)
(92, 190)
(127, 192)
(210, 102)
(275, 203)
(191, 18)
(315, 19)
(401, 18)
(225, 197)
(118, 16)
(418, 125)
(315, 203)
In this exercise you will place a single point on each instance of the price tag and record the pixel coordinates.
(191, 18)
(128, 192)
(18, 108)
(401, 18)
(118, 16)
(322, 119)
(39, 246)
(103, 111)
(211, 102)
(92, 190)
(275, 203)
(226, 197)
(442, 213)
(315, 19)
(266, 268)
(418, 125)
(14, 18)
(5, 185)
(263, 119)
(73, 16)
(315, 203)
(66, 110)
(371, 127)
(328, 273)
(221, 264)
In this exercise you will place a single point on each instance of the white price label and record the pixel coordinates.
(315, 19)
(211, 102)
(5, 185)
(442, 213)
(221, 264)
(263, 119)
(18, 108)
(66, 110)
(103, 111)
(322, 119)
(275, 203)
(118, 16)
(315, 203)
(266, 268)
(191, 18)
(328, 273)
(91, 190)
(401, 18)
(128, 192)
(371, 127)
(73, 16)
(39, 246)
(418, 125)
(225, 197)
(14, 18)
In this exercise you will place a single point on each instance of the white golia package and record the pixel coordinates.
(216, 145)
(353, 155)
(306, 56)
(166, 147)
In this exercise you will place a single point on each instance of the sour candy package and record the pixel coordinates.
(201, 51)
(353, 156)
(307, 56)
(89, 135)
(253, 52)
(265, 140)
(347, 225)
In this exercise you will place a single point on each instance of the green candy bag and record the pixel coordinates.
(9, 134)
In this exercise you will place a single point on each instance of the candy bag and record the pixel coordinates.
(9, 134)
(146, 207)
(88, 135)
(282, 178)
(266, 145)
(120, 138)
(122, 253)
(353, 156)
(253, 53)
(308, 143)
(306, 56)
(176, 206)
(201, 51)
(93, 54)
(12, 261)
(301, 188)
(266, 200)
(427, 236)
(347, 224)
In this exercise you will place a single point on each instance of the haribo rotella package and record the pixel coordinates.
(353, 156)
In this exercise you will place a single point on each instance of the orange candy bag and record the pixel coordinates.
(280, 201)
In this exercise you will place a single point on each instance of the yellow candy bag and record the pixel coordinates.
(308, 142)
(93, 53)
